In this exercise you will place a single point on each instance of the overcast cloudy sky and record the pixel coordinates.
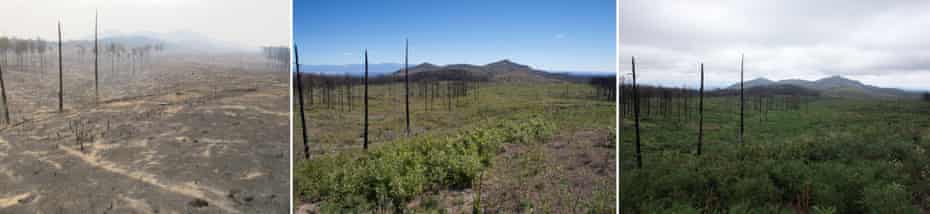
(883, 43)
(242, 23)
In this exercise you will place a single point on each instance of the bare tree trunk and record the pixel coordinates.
(365, 134)
(407, 84)
(300, 106)
(701, 113)
(639, 155)
(60, 68)
(741, 105)
(6, 107)
(96, 91)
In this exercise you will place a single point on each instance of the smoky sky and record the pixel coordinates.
(883, 43)
(237, 23)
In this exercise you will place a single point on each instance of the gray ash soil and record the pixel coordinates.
(199, 147)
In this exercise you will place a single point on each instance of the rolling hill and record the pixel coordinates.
(834, 86)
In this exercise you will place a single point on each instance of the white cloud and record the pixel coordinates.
(876, 42)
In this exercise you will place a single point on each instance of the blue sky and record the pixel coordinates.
(548, 34)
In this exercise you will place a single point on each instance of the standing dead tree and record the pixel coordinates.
(96, 91)
(639, 155)
(60, 68)
(741, 99)
(6, 107)
(365, 133)
(701, 113)
(300, 101)
(407, 84)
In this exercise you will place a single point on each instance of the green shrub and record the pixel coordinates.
(391, 175)
(887, 198)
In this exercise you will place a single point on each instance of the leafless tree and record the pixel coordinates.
(60, 68)
(639, 155)
(300, 102)
(6, 107)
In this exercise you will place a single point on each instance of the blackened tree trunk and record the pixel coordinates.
(639, 155)
(300, 105)
(96, 91)
(365, 132)
(741, 105)
(60, 68)
(407, 85)
(701, 113)
(6, 107)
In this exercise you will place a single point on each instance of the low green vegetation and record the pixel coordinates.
(457, 160)
(392, 175)
(831, 156)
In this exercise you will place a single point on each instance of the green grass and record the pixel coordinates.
(847, 156)
(449, 149)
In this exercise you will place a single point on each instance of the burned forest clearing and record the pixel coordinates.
(165, 132)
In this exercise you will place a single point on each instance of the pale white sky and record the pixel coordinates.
(240, 23)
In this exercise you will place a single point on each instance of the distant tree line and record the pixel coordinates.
(605, 87)
(23, 50)
(278, 56)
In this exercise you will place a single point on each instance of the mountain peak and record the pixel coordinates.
(761, 80)
(425, 64)
(505, 65)
(503, 61)
(837, 81)
(836, 77)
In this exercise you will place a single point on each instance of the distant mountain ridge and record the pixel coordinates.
(502, 70)
(834, 86)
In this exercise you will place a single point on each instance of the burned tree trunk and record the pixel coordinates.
(741, 105)
(300, 104)
(407, 85)
(365, 132)
(6, 107)
(60, 68)
(639, 155)
(96, 91)
(701, 113)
